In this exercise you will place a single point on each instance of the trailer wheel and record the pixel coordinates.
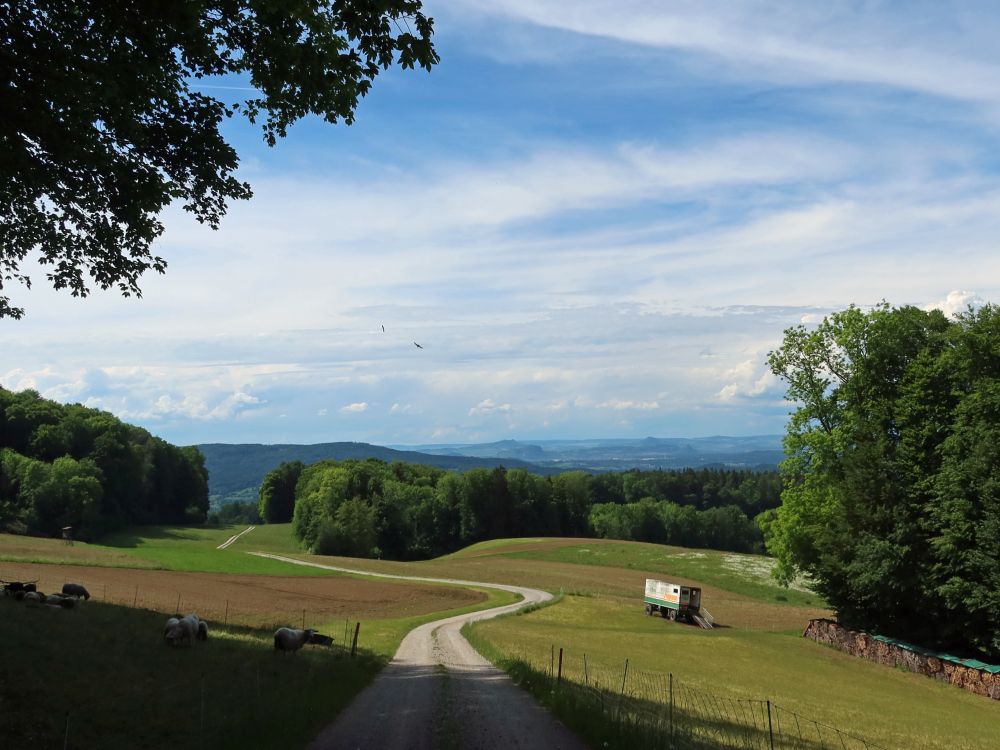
(649, 609)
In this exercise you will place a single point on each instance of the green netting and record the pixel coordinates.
(971, 663)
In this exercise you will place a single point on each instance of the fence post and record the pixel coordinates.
(586, 675)
(354, 641)
(559, 677)
(552, 661)
(670, 684)
(136, 598)
(178, 607)
(770, 729)
(66, 734)
(201, 714)
(225, 622)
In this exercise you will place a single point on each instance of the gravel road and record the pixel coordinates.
(439, 692)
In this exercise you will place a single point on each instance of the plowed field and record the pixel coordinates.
(248, 600)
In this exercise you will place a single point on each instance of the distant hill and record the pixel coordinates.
(753, 452)
(235, 471)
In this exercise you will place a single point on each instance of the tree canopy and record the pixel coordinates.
(106, 120)
(67, 465)
(407, 511)
(891, 497)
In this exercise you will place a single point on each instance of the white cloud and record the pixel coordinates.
(621, 405)
(355, 408)
(487, 406)
(321, 413)
(956, 302)
(883, 43)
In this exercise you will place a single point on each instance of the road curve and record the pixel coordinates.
(438, 690)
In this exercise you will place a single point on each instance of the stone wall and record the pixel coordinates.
(864, 645)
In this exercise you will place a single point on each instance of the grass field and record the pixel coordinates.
(104, 671)
(104, 665)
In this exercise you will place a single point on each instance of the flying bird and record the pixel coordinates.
(417, 345)
(383, 328)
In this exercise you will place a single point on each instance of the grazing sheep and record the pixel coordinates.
(321, 640)
(75, 589)
(171, 631)
(57, 600)
(185, 629)
(290, 640)
(34, 596)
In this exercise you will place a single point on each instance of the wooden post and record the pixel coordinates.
(559, 676)
(552, 661)
(624, 676)
(177, 609)
(670, 682)
(354, 641)
(201, 719)
(586, 675)
(225, 621)
(135, 599)
(346, 632)
(770, 729)
(303, 619)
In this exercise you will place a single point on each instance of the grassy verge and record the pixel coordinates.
(104, 671)
(889, 707)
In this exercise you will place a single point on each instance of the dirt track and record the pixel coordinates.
(438, 685)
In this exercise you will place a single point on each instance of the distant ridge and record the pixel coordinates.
(238, 469)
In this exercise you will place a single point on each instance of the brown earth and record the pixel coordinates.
(247, 599)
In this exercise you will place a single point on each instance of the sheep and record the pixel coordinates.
(185, 629)
(172, 631)
(321, 640)
(291, 640)
(75, 589)
(58, 600)
(34, 596)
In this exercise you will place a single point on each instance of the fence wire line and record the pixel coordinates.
(655, 710)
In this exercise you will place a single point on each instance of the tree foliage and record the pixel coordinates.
(74, 466)
(277, 492)
(421, 511)
(890, 497)
(106, 119)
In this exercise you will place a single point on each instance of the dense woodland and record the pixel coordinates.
(407, 511)
(67, 465)
(891, 499)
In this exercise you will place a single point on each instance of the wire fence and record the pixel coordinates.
(654, 710)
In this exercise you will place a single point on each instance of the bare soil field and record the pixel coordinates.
(252, 600)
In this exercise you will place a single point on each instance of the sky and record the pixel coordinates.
(596, 218)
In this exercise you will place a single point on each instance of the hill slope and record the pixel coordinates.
(233, 468)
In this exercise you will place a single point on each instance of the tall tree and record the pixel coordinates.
(890, 499)
(106, 120)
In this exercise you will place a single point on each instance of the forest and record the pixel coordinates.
(69, 465)
(408, 511)
(891, 488)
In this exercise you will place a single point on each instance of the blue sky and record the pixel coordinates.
(596, 217)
